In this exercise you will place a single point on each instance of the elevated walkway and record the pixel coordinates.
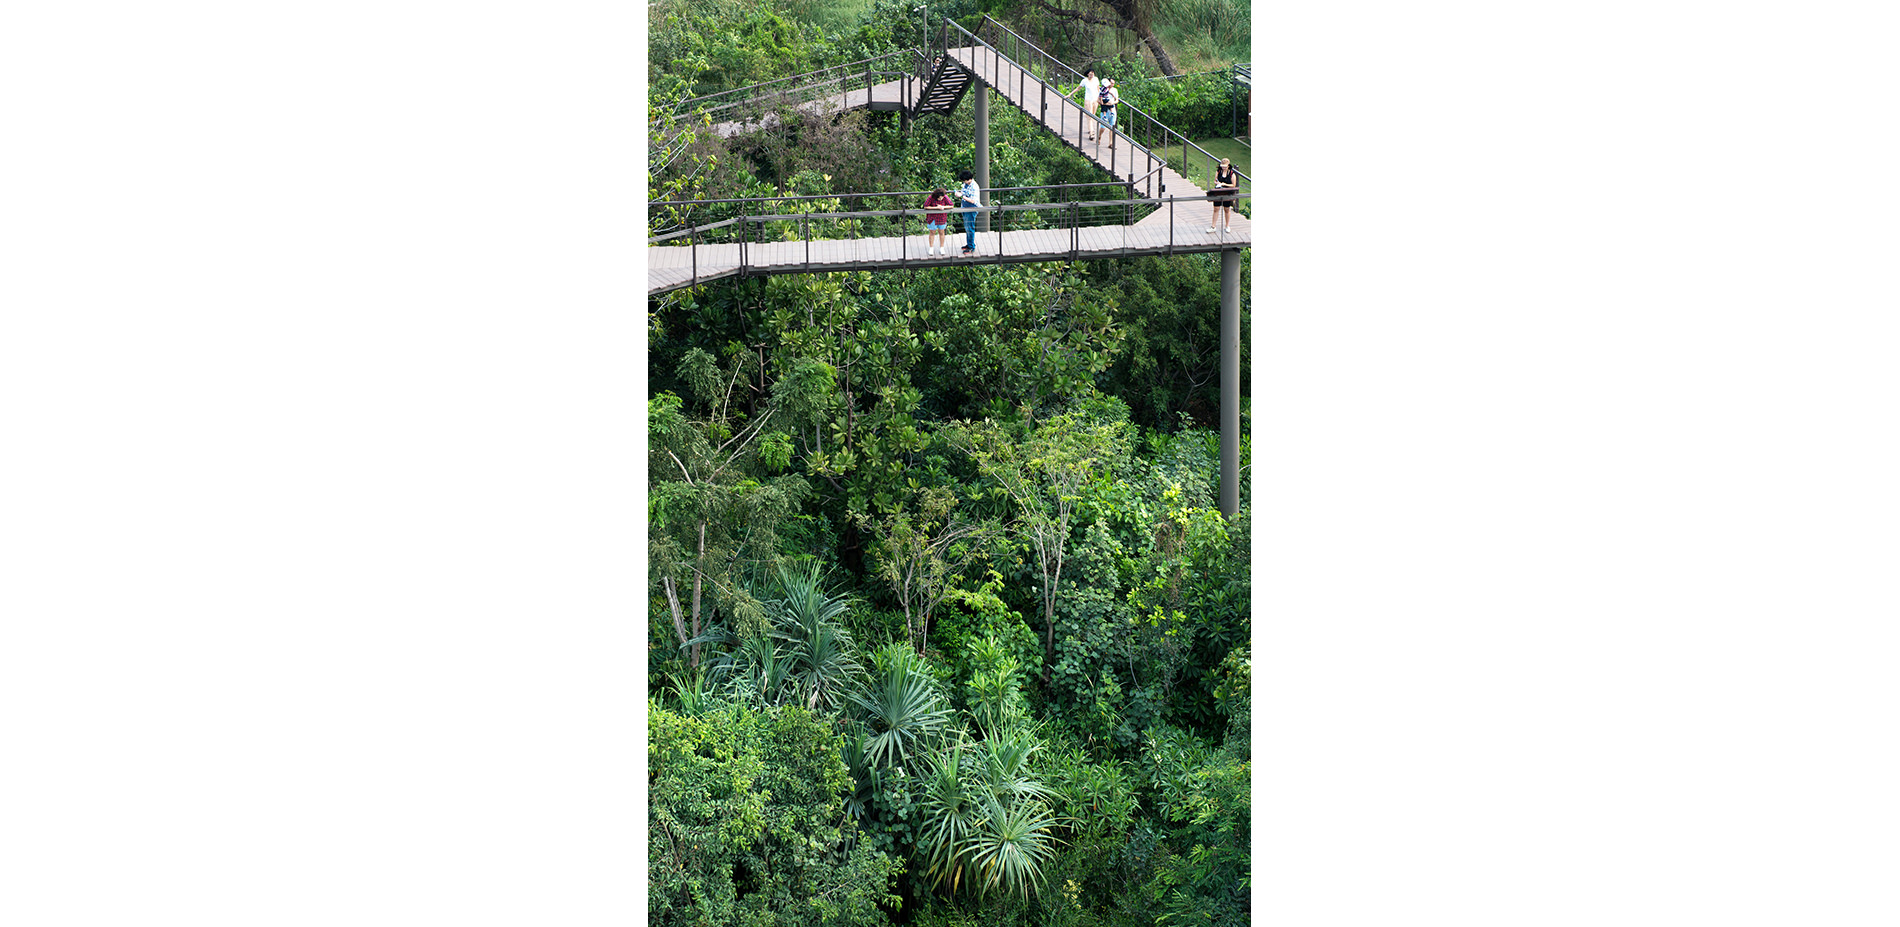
(1163, 232)
(1174, 210)
(1145, 170)
(890, 96)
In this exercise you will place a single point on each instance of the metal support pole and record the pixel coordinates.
(1229, 381)
(983, 150)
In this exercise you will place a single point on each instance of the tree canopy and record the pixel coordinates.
(946, 627)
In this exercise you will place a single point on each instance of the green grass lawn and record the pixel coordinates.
(1202, 172)
(1241, 155)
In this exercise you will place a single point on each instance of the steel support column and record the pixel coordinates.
(1229, 381)
(983, 149)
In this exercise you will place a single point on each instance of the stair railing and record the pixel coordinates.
(1024, 75)
(1145, 130)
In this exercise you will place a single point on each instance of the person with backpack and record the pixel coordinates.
(1091, 90)
(1111, 97)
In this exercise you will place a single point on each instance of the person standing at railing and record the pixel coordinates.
(1225, 192)
(971, 196)
(936, 222)
(1091, 90)
(1111, 97)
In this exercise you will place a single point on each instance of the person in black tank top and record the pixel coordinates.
(1224, 195)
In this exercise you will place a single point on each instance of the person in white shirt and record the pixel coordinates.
(969, 196)
(1091, 91)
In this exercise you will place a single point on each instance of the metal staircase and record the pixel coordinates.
(943, 85)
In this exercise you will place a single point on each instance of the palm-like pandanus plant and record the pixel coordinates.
(1010, 846)
(824, 667)
(950, 815)
(761, 673)
(985, 818)
(903, 709)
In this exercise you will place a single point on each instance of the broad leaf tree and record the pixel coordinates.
(1044, 473)
(920, 554)
(714, 503)
(746, 824)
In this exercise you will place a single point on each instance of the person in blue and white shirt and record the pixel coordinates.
(970, 197)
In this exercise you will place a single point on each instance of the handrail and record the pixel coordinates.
(918, 210)
(1053, 59)
(1153, 123)
(779, 80)
(836, 196)
(806, 217)
(1135, 145)
(692, 229)
(1066, 215)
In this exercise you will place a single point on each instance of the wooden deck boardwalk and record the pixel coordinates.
(1070, 122)
(889, 95)
(1178, 227)
(673, 267)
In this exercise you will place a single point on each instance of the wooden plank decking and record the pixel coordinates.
(670, 268)
(885, 96)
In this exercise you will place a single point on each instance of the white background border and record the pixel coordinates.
(321, 356)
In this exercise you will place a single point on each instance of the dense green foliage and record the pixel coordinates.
(946, 625)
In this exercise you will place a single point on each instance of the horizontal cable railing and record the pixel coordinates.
(711, 215)
(751, 103)
(786, 239)
(1041, 98)
(1186, 158)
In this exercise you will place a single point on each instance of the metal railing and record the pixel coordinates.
(708, 216)
(1152, 134)
(752, 103)
(1037, 95)
(782, 240)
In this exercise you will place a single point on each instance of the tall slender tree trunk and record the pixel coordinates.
(673, 600)
(699, 579)
(1049, 633)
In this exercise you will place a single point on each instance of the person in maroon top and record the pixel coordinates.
(937, 221)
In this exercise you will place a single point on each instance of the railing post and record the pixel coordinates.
(1229, 381)
(982, 149)
(692, 238)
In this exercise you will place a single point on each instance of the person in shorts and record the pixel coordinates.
(1091, 91)
(1224, 195)
(1111, 97)
(937, 221)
